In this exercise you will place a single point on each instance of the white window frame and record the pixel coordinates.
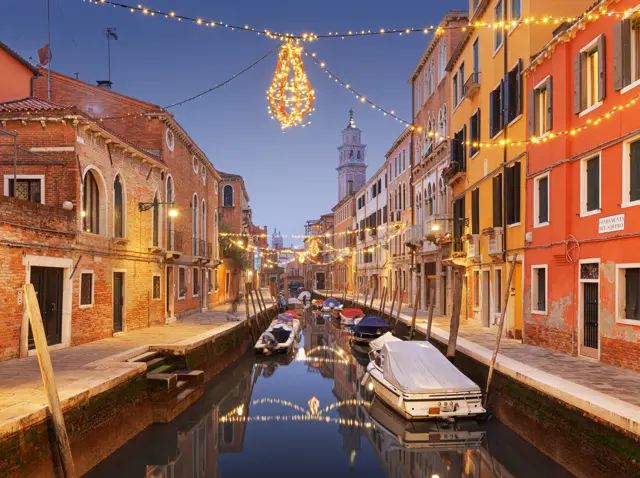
(592, 260)
(454, 89)
(186, 281)
(534, 289)
(620, 293)
(626, 174)
(93, 289)
(170, 139)
(41, 177)
(583, 186)
(496, 45)
(156, 274)
(536, 200)
(195, 163)
(195, 272)
(586, 49)
(537, 113)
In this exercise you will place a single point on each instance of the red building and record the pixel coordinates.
(582, 274)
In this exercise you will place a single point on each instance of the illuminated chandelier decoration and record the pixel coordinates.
(290, 95)
(314, 249)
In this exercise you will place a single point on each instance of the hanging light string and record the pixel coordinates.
(360, 97)
(311, 236)
(506, 25)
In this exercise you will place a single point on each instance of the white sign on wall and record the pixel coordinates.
(611, 223)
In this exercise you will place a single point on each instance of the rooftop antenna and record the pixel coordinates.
(111, 35)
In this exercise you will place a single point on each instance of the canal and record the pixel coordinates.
(308, 415)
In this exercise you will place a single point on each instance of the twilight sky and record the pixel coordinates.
(290, 177)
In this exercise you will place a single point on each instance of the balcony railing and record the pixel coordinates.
(495, 242)
(458, 246)
(472, 85)
(473, 253)
(455, 170)
(174, 242)
(414, 234)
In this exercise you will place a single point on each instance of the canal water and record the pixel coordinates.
(308, 415)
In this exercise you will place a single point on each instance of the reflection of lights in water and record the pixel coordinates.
(240, 410)
(314, 405)
(323, 360)
(371, 389)
(301, 355)
(342, 403)
(352, 458)
(350, 422)
(435, 476)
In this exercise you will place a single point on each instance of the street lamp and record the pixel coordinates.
(145, 206)
(436, 227)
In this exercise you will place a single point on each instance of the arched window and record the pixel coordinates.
(204, 221)
(118, 208)
(418, 148)
(215, 236)
(359, 156)
(170, 221)
(227, 196)
(194, 222)
(156, 221)
(442, 59)
(351, 154)
(442, 123)
(442, 206)
(93, 203)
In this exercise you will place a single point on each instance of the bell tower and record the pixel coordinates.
(352, 170)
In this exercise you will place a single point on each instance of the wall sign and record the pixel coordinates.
(611, 223)
(257, 259)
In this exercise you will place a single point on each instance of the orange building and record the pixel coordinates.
(582, 261)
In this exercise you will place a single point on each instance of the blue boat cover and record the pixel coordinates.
(331, 302)
(371, 322)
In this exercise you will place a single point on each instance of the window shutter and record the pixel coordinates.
(632, 293)
(491, 113)
(516, 192)
(531, 112)
(475, 205)
(549, 86)
(577, 83)
(602, 69)
(505, 93)
(634, 171)
(464, 150)
(593, 184)
(502, 105)
(508, 194)
(497, 201)
(542, 306)
(543, 200)
(519, 88)
(452, 148)
(621, 54)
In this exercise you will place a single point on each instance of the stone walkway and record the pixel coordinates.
(89, 369)
(608, 392)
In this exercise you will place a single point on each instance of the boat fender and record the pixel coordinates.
(400, 401)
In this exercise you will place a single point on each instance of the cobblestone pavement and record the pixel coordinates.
(91, 368)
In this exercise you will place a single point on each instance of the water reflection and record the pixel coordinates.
(307, 413)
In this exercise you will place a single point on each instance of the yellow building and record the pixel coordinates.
(488, 182)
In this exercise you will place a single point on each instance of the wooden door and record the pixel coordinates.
(118, 300)
(47, 282)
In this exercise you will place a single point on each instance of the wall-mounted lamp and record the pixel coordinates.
(436, 227)
(145, 206)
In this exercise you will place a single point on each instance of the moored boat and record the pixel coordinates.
(331, 304)
(349, 315)
(279, 338)
(287, 319)
(418, 382)
(369, 328)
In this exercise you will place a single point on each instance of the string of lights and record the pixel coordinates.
(350, 422)
(311, 236)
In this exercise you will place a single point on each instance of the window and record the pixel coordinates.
(461, 81)
(156, 222)
(513, 93)
(497, 34)
(539, 289)
(170, 138)
(418, 147)
(118, 208)
(476, 56)
(515, 10)
(227, 196)
(91, 204)
(204, 221)
(155, 293)
(25, 188)
(512, 193)
(497, 200)
(628, 294)
(442, 60)
(590, 185)
(474, 132)
(404, 159)
(182, 283)
(496, 105)
(428, 135)
(442, 123)
(631, 173)
(475, 211)
(204, 174)
(194, 224)
(209, 281)
(196, 164)
(476, 289)
(86, 289)
(589, 76)
(541, 201)
(195, 282)
(458, 150)
(541, 114)
(454, 90)
(171, 243)
(626, 45)
(216, 255)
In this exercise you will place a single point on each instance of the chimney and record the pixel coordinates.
(106, 84)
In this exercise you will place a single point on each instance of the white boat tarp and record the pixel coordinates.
(419, 367)
(383, 339)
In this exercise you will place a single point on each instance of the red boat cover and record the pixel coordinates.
(295, 315)
(352, 313)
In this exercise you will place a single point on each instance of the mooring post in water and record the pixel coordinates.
(248, 312)
(383, 301)
(264, 304)
(364, 303)
(432, 293)
(255, 291)
(48, 379)
(415, 312)
(373, 294)
(344, 295)
(286, 292)
(455, 314)
(393, 303)
(500, 327)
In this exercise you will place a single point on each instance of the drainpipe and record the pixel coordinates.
(505, 67)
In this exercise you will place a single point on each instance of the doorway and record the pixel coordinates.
(590, 309)
(486, 301)
(227, 285)
(118, 301)
(320, 282)
(47, 282)
(169, 292)
(205, 291)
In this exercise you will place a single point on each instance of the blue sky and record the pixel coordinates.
(291, 177)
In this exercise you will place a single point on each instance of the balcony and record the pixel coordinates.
(414, 235)
(174, 244)
(473, 250)
(496, 242)
(456, 170)
(472, 85)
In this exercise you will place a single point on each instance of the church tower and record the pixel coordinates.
(352, 170)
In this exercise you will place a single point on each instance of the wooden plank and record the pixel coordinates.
(48, 379)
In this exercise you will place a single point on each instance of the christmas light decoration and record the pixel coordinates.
(290, 95)
(314, 249)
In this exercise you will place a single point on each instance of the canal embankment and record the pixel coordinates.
(555, 401)
(113, 389)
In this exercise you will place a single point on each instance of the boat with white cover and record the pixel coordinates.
(287, 319)
(420, 383)
(350, 315)
(279, 337)
(331, 304)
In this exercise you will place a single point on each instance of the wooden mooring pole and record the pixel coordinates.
(262, 312)
(455, 314)
(416, 301)
(383, 301)
(500, 328)
(48, 379)
(373, 294)
(248, 311)
(364, 304)
(432, 293)
(393, 303)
